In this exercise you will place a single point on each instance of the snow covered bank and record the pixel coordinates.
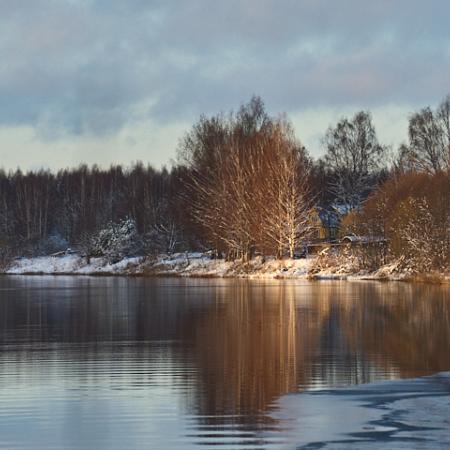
(200, 265)
(197, 265)
(71, 264)
(180, 264)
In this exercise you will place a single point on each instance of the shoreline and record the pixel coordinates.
(198, 265)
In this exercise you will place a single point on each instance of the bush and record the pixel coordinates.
(411, 212)
(116, 241)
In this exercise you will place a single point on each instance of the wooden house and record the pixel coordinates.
(324, 225)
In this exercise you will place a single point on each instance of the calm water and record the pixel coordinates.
(116, 363)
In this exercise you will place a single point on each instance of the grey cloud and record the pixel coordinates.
(82, 67)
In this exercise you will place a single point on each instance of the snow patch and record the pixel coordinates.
(71, 264)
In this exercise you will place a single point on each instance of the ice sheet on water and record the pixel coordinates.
(402, 414)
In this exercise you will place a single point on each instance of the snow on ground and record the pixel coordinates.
(70, 264)
(201, 265)
(179, 264)
(194, 265)
(45, 264)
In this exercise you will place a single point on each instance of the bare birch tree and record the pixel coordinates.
(285, 199)
(354, 154)
(429, 139)
(253, 194)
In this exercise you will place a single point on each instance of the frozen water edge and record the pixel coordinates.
(402, 414)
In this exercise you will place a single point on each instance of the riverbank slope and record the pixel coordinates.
(201, 265)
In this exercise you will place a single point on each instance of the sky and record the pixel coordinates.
(116, 81)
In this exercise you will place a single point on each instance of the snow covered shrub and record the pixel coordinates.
(336, 260)
(117, 241)
(411, 213)
(425, 245)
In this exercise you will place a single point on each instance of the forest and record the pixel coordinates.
(244, 185)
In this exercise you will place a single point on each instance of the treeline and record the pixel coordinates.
(243, 185)
(43, 212)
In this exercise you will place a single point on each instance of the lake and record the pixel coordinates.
(140, 363)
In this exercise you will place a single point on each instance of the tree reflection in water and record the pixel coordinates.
(232, 347)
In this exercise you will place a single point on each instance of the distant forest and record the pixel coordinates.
(242, 185)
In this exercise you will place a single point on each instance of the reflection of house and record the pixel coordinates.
(324, 225)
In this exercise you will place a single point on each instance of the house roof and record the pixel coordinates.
(353, 238)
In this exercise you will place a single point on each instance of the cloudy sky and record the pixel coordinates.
(102, 81)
